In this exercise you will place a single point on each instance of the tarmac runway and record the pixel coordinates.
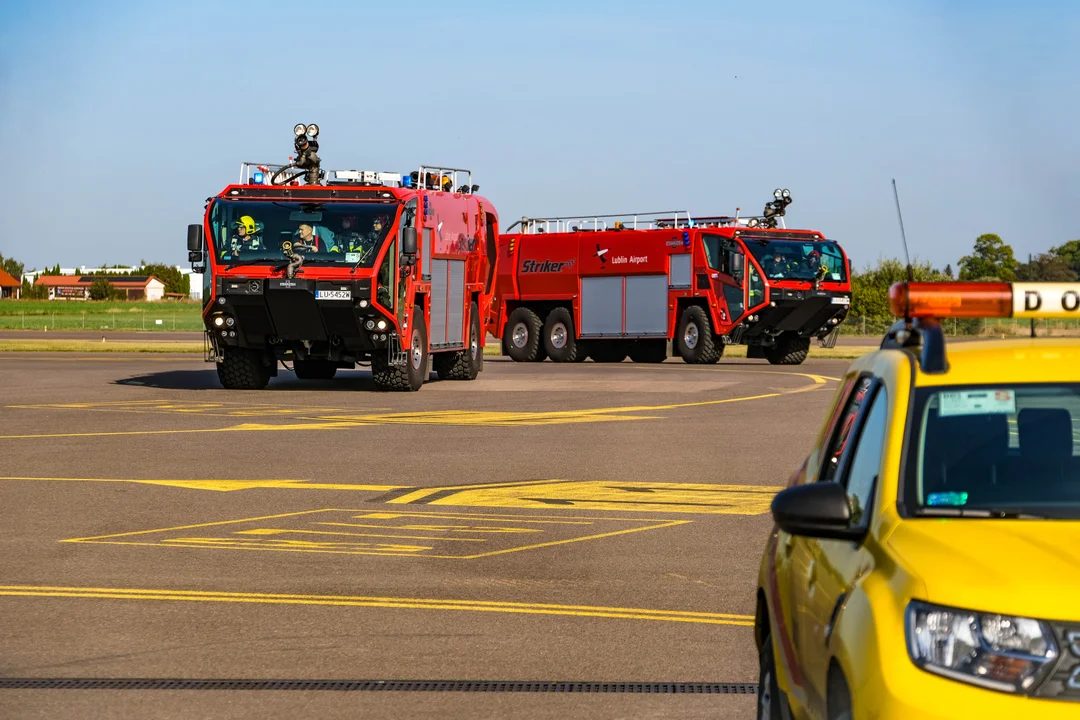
(582, 523)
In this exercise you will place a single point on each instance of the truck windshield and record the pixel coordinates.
(255, 233)
(999, 451)
(795, 260)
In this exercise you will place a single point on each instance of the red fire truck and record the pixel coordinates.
(325, 270)
(571, 288)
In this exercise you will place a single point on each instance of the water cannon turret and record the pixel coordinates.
(777, 208)
(307, 148)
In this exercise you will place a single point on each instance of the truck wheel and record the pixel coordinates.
(314, 369)
(694, 338)
(409, 377)
(649, 351)
(788, 350)
(608, 351)
(559, 341)
(522, 336)
(243, 369)
(463, 364)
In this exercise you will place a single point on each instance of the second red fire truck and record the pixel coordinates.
(611, 286)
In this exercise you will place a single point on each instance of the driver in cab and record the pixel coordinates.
(246, 237)
(314, 238)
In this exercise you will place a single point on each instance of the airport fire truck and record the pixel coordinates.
(320, 270)
(609, 286)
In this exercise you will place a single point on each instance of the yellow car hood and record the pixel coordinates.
(1019, 567)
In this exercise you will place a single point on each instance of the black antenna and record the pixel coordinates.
(903, 235)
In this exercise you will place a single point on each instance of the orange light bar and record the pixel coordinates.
(952, 299)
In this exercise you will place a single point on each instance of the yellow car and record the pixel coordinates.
(926, 557)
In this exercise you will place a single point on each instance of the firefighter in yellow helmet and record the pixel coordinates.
(246, 237)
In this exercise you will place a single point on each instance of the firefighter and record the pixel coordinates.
(778, 265)
(315, 238)
(246, 236)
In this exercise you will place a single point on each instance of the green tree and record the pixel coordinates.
(870, 287)
(991, 259)
(175, 281)
(101, 289)
(1046, 267)
(948, 271)
(11, 266)
(1070, 253)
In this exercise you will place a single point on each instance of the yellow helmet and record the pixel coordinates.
(246, 222)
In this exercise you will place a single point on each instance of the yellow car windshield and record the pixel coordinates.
(1006, 450)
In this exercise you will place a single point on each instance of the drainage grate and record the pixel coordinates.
(367, 685)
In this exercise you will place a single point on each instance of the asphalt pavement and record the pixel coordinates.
(583, 523)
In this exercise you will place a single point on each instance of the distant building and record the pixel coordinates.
(77, 287)
(10, 288)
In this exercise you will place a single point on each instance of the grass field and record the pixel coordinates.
(98, 315)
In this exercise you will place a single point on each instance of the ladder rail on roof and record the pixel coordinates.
(596, 223)
(452, 173)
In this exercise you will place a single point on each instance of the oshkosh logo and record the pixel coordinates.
(545, 266)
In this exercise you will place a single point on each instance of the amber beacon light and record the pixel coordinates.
(985, 300)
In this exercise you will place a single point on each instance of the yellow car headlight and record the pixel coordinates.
(998, 652)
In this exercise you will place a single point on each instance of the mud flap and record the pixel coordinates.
(755, 351)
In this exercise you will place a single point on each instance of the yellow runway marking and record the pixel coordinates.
(224, 485)
(313, 419)
(600, 611)
(292, 532)
(649, 497)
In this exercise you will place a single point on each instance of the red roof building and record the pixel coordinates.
(77, 287)
(10, 288)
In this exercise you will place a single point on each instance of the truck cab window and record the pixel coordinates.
(384, 291)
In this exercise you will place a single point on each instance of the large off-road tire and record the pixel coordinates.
(769, 697)
(608, 351)
(463, 364)
(411, 376)
(789, 349)
(522, 336)
(243, 369)
(649, 351)
(314, 369)
(559, 340)
(694, 339)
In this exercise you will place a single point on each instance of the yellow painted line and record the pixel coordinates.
(651, 497)
(253, 541)
(686, 616)
(223, 485)
(287, 531)
(448, 417)
(424, 492)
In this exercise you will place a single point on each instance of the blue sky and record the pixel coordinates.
(121, 118)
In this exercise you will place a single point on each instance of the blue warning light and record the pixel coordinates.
(257, 178)
(686, 239)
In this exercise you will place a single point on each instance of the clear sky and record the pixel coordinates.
(120, 118)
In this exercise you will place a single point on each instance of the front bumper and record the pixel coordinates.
(807, 313)
(303, 318)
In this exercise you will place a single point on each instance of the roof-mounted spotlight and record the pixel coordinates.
(313, 130)
(778, 193)
(786, 193)
(299, 130)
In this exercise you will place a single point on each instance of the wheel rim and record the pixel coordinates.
(474, 343)
(558, 336)
(520, 335)
(417, 350)
(690, 335)
(765, 698)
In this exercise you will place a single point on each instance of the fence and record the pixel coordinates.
(1010, 327)
(169, 320)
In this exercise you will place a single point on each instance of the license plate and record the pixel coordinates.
(841, 301)
(333, 294)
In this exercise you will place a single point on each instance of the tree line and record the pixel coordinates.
(991, 259)
(175, 281)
